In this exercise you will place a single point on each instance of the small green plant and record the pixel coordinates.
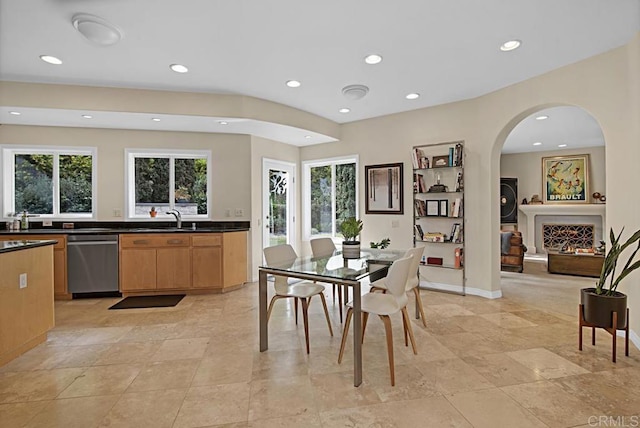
(351, 228)
(611, 262)
(382, 244)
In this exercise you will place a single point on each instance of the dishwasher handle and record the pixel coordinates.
(78, 243)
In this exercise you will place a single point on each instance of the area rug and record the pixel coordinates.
(134, 302)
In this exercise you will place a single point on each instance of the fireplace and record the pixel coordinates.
(557, 236)
(538, 215)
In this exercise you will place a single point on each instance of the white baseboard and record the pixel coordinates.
(458, 289)
(633, 337)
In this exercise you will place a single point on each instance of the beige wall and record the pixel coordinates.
(606, 86)
(230, 154)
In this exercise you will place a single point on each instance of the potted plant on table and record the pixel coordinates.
(602, 300)
(153, 212)
(351, 228)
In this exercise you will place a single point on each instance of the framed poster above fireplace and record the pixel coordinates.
(565, 179)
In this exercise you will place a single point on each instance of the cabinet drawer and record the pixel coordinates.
(62, 239)
(152, 241)
(209, 240)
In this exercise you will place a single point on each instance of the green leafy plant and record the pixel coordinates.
(382, 244)
(351, 228)
(610, 264)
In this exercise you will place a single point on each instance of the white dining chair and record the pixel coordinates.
(413, 280)
(324, 247)
(280, 255)
(384, 305)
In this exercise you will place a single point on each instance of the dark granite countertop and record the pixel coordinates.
(108, 228)
(8, 246)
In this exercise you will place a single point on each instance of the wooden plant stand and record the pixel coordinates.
(610, 330)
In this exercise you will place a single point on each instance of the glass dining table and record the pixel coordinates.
(335, 269)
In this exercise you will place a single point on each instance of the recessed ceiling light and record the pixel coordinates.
(412, 96)
(51, 59)
(96, 29)
(87, 116)
(155, 119)
(344, 110)
(537, 143)
(179, 68)
(15, 113)
(373, 59)
(307, 136)
(543, 117)
(562, 145)
(223, 122)
(293, 83)
(510, 45)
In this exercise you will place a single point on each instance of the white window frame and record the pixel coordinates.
(129, 183)
(8, 177)
(306, 191)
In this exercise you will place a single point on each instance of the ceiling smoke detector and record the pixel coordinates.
(96, 29)
(355, 92)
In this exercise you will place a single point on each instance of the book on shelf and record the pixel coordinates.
(434, 237)
(457, 257)
(418, 159)
(419, 185)
(421, 208)
(456, 208)
(451, 159)
(457, 155)
(419, 232)
(456, 233)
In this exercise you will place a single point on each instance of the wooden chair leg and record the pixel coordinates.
(273, 300)
(345, 332)
(409, 329)
(326, 312)
(334, 294)
(365, 317)
(295, 304)
(416, 291)
(387, 326)
(305, 318)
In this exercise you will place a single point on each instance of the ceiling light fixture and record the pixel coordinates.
(344, 110)
(155, 119)
(537, 143)
(373, 59)
(178, 68)
(293, 83)
(562, 145)
(412, 96)
(96, 29)
(543, 117)
(87, 116)
(510, 45)
(223, 122)
(15, 113)
(51, 59)
(355, 92)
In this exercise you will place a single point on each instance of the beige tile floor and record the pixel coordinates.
(510, 362)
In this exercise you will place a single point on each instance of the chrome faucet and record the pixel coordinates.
(178, 217)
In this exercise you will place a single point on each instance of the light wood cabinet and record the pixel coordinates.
(59, 260)
(153, 263)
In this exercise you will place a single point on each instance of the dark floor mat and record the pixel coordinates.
(133, 302)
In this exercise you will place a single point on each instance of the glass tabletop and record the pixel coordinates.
(337, 267)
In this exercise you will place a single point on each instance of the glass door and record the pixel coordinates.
(278, 210)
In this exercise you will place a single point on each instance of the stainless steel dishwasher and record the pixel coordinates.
(92, 263)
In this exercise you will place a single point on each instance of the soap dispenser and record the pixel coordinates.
(24, 221)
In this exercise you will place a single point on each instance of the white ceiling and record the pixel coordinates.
(445, 50)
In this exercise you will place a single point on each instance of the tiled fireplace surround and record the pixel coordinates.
(537, 216)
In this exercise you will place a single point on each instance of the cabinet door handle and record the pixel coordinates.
(175, 241)
(141, 241)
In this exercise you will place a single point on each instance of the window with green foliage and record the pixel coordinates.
(330, 195)
(168, 180)
(56, 182)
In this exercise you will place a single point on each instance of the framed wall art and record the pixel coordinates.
(384, 191)
(565, 179)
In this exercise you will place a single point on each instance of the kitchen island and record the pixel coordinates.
(26, 295)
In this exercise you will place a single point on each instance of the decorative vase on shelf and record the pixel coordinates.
(153, 212)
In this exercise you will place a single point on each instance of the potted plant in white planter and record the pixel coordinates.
(351, 228)
(602, 300)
